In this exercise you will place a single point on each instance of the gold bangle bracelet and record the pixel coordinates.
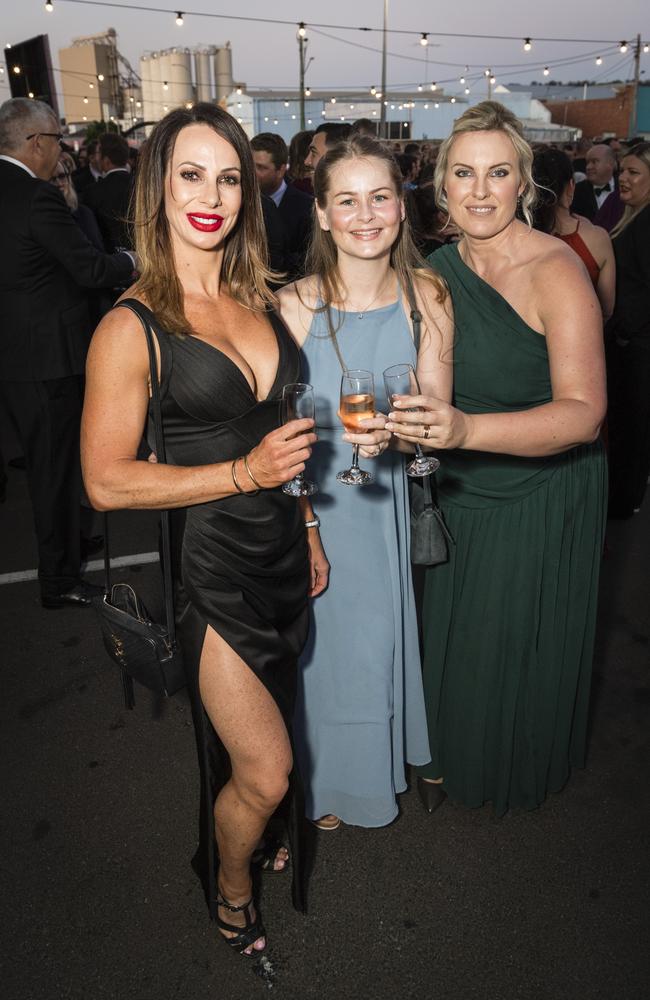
(233, 473)
(248, 470)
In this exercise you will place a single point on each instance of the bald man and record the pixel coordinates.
(597, 197)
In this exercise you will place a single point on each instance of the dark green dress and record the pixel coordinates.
(509, 621)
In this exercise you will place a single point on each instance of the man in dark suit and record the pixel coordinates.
(44, 334)
(597, 197)
(88, 175)
(110, 198)
(295, 207)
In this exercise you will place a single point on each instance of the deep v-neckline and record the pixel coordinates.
(234, 364)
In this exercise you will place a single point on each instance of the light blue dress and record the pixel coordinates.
(360, 710)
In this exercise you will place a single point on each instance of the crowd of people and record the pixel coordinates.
(518, 292)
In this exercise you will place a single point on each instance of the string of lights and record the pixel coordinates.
(423, 36)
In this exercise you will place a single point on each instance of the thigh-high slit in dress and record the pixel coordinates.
(243, 563)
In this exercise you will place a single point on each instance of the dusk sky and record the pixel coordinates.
(266, 55)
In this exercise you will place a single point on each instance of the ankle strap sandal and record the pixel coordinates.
(245, 936)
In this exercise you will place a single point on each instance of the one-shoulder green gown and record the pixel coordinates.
(509, 621)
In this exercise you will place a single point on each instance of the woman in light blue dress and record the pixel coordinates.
(360, 712)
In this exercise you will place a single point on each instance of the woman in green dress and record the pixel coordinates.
(509, 620)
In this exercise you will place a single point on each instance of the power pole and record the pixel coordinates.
(384, 98)
(635, 91)
(302, 41)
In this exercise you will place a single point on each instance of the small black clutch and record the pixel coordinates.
(430, 536)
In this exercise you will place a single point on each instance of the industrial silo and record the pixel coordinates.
(165, 68)
(202, 74)
(223, 80)
(180, 83)
(146, 111)
(155, 83)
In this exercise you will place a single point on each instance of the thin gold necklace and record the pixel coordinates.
(362, 312)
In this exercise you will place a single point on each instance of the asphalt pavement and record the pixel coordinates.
(100, 804)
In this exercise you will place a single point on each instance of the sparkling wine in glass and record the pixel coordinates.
(297, 403)
(401, 380)
(357, 404)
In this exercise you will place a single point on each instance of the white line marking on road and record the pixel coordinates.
(91, 567)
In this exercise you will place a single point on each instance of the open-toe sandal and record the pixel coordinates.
(245, 936)
(265, 857)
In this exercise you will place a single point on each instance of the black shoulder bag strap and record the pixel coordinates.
(166, 563)
(416, 320)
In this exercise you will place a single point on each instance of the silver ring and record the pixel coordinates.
(426, 431)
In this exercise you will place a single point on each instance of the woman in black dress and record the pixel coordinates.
(244, 568)
(628, 341)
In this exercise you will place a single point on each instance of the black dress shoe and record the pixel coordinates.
(79, 596)
(431, 793)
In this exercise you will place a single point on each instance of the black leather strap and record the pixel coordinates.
(166, 562)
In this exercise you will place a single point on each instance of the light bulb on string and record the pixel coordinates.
(101, 77)
(179, 18)
(165, 85)
(546, 71)
(286, 104)
(453, 100)
(85, 100)
(373, 91)
(436, 105)
(493, 79)
(332, 100)
(434, 86)
(31, 95)
(16, 70)
(49, 6)
(646, 48)
(487, 72)
(623, 47)
(92, 86)
(302, 31)
(307, 92)
(420, 87)
(238, 91)
(467, 90)
(426, 107)
(527, 45)
(462, 80)
(424, 40)
(599, 60)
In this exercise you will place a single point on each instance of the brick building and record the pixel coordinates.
(600, 116)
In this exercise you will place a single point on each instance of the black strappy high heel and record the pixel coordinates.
(245, 936)
(264, 857)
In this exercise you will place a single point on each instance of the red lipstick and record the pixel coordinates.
(205, 222)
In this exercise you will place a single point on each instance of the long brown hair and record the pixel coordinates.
(244, 270)
(642, 152)
(322, 258)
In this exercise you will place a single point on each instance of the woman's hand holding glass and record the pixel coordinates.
(281, 455)
(424, 420)
(401, 383)
(298, 402)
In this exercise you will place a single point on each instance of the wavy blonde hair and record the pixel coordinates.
(490, 116)
(244, 270)
(642, 152)
(322, 258)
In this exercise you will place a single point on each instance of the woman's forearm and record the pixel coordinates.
(544, 430)
(133, 484)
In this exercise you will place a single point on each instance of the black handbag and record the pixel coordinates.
(144, 650)
(430, 536)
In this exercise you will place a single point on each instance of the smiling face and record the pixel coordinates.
(363, 211)
(483, 183)
(634, 181)
(202, 188)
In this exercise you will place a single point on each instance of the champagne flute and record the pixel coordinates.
(401, 380)
(298, 402)
(357, 403)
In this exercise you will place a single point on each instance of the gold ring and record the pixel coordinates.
(426, 431)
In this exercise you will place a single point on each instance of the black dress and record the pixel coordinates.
(242, 561)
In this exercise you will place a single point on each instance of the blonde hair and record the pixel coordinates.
(642, 152)
(490, 116)
(244, 270)
(322, 258)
